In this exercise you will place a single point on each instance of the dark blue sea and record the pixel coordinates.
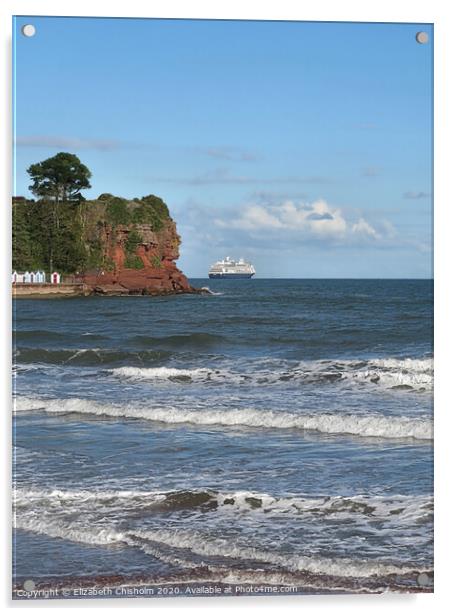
(276, 431)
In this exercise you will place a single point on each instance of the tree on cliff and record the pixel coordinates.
(58, 182)
(60, 178)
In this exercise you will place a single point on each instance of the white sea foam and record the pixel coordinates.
(83, 535)
(161, 373)
(89, 517)
(370, 425)
(161, 543)
(407, 509)
(203, 546)
(415, 374)
(209, 291)
(26, 498)
(25, 404)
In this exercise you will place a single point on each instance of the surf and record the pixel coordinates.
(365, 425)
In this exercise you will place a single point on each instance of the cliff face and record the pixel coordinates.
(156, 272)
(140, 257)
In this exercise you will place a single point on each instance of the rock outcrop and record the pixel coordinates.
(109, 245)
(156, 272)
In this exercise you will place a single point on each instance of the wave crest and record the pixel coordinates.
(371, 425)
(414, 374)
(89, 517)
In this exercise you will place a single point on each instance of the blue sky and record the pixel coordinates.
(303, 147)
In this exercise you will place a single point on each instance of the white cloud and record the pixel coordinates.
(364, 228)
(317, 219)
(254, 217)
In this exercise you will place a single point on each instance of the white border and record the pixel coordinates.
(435, 11)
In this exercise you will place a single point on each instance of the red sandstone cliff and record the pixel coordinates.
(155, 271)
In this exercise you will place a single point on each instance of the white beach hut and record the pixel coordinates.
(26, 277)
(40, 276)
(55, 278)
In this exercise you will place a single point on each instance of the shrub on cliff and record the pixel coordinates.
(158, 205)
(105, 197)
(133, 262)
(151, 210)
(117, 212)
(133, 239)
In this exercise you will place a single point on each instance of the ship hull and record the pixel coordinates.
(231, 276)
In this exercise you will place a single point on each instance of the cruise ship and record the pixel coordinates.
(229, 268)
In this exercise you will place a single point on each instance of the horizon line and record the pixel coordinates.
(204, 277)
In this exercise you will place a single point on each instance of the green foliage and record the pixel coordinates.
(21, 241)
(40, 242)
(59, 178)
(157, 204)
(152, 211)
(133, 239)
(95, 257)
(117, 212)
(133, 262)
(108, 265)
(156, 262)
(47, 233)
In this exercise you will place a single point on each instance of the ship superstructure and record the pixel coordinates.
(229, 268)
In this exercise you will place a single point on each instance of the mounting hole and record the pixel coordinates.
(29, 585)
(424, 580)
(422, 37)
(28, 30)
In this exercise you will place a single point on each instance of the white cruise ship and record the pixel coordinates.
(229, 268)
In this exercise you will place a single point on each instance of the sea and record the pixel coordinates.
(271, 433)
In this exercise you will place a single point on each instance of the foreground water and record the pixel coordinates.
(278, 431)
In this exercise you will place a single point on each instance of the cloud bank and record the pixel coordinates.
(319, 220)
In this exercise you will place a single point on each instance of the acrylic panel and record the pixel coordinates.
(223, 310)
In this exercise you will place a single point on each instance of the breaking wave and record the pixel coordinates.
(413, 374)
(370, 425)
(89, 517)
(406, 509)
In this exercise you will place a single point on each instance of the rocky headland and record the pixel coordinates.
(118, 246)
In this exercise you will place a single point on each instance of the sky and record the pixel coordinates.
(305, 148)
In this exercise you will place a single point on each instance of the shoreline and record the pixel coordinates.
(201, 583)
(65, 290)
(47, 290)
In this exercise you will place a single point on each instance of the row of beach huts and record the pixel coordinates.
(38, 277)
